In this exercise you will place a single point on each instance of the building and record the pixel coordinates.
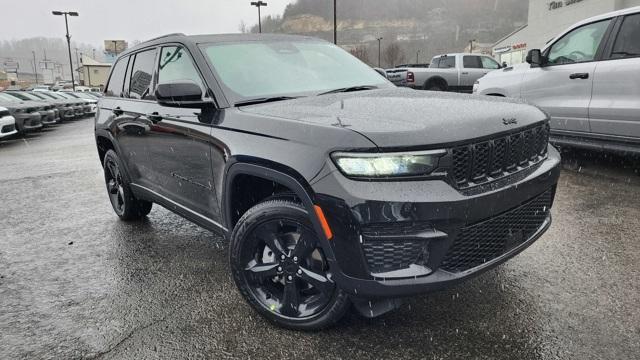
(93, 73)
(546, 20)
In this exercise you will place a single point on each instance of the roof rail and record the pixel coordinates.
(167, 35)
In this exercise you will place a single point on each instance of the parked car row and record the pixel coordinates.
(29, 111)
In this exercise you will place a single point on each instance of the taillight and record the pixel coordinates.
(410, 77)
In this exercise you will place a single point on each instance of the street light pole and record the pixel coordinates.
(259, 4)
(335, 22)
(66, 23)
(418, 57)
(379, 51)
(35, 66)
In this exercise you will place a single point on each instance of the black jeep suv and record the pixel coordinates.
(333, 186)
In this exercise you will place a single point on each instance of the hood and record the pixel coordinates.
(401, 117)
(14, 105)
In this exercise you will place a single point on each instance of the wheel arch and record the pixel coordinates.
(436, 80)
(269, 171)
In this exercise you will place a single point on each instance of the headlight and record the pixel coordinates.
(388, 164)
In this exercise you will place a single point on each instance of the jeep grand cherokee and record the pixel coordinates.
(333, 186)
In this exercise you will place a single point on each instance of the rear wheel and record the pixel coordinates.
(280, 268)
(124, 203)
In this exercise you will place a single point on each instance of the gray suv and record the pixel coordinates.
(587, 79)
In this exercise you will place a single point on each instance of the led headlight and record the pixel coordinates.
(388, 164)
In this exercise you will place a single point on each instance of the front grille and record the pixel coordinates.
(390, 255)
(484, 162)
(397, 254)
(7, 129)
(487, 240)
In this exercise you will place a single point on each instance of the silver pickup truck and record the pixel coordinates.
(449, 72)
(587, 79)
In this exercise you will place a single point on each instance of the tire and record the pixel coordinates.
(433, 87)
(267, 278)
(124, 203)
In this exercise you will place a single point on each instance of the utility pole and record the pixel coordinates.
(259, 4)
(418, 57)
(66, 23)
(471, 46)
(335, 22)
(379, 50)
(35, 66)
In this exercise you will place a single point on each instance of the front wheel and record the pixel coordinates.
(280, 269)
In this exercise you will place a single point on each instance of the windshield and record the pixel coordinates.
(26, 96)
(287, 68)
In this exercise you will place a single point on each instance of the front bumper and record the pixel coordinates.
(400, 238)
(47, 117)
(7, 126)
(28, 122)
(66, 113)
(78, 111)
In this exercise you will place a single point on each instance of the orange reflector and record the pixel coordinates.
(323, 222)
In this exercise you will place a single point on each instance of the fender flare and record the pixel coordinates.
(284, 176)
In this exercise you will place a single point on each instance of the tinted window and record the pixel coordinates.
(447, 62)
(628, 42)
(472, 62)
(579, 45)
(142, 74)
(489, 63)
(114, 88)
(176, 65)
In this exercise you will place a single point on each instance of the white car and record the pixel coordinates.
(7, 124)
(587, 79)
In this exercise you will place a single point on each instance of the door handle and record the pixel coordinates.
(117, 111)
(579, 76)
(465, 73)
(154, 117)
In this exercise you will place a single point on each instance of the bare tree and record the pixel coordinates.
(361, 53)
(243, 28)
(393, 54)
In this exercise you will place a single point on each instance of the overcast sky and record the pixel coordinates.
(128, 19)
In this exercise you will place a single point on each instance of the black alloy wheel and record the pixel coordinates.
(115, 187)
(124, 203)
(281, 269)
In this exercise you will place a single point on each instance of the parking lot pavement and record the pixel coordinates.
(77, 283)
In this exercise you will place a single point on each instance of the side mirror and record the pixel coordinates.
(180, 94)
(535, 58)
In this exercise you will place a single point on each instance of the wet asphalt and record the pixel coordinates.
(77, 283)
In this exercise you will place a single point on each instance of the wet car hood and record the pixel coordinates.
(404, 117)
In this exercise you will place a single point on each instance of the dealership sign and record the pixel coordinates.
(508, 48)
(555, 5)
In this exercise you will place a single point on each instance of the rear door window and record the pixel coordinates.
(142, 75)
(447, 62)
(628, 42)
(471, 62)
(114, 88)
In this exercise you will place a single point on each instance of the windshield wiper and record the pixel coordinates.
(264, 100)
(349, 89)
